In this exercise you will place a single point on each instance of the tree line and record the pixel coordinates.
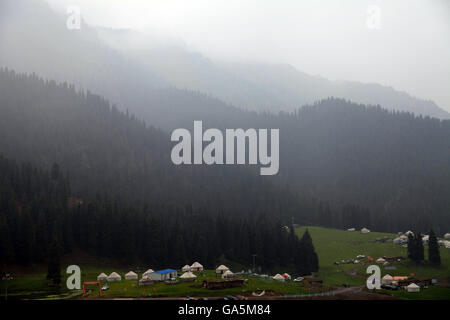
(38, 223)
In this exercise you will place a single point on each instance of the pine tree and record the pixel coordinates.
(420, 248)
(433, 249)
(306, 255)
(54, 263)
(412, 251)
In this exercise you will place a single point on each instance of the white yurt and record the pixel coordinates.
(221, 269)
(188, 276)
(425, 238)
(278, 277)
(409, 232)
(381, 260)
(403, 237)
(146, 273)
(102, 277)
(131, 276)
(447, 244)
(365, 230)
(387, 279)
(351, 229)
(186, 268)
(447, 236)
(413, 288)
(196, 266)
(397, 240)
(113, 277)
(227, 274)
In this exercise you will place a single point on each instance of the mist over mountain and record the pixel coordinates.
(143, 74)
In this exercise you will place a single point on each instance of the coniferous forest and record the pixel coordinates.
(342, 165)
(38, 213)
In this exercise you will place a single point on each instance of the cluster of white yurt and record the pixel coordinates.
(222, 269)
(196, 266)
(365, 230)
(188, 275)
(114, 277)
(131, 276)
(102, 277)
(278, 277)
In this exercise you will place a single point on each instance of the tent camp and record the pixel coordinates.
(413, 288)
(381, 260)
(186, 268)
(102, 277)
(188, 276)
(365, 230)
(221, 269)
(131, 276)
(387, 279)
(278, 277)
(113, 277)
(196, 266)
(227, 274)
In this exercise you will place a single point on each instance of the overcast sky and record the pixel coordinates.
(409, 49)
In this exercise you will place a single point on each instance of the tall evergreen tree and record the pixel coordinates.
(54, 263)
(433, 249)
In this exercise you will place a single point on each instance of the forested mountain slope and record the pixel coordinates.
(106, 151)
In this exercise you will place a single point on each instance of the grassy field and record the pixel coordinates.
(331, 245)
(336, 245)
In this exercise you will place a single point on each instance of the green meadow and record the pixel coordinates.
(331, 245)
(336, 245)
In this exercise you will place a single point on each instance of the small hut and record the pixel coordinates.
(221, 269)
(186, 268)
(147, 273)
(102, 277)
(114, 277)
(365, 230)
(227, 274)
(381, 260)
(387, 279)
(131, 276)
(188, 276)
(413, 288)
(196, 266)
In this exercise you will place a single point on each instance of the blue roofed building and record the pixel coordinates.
(162, 275)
